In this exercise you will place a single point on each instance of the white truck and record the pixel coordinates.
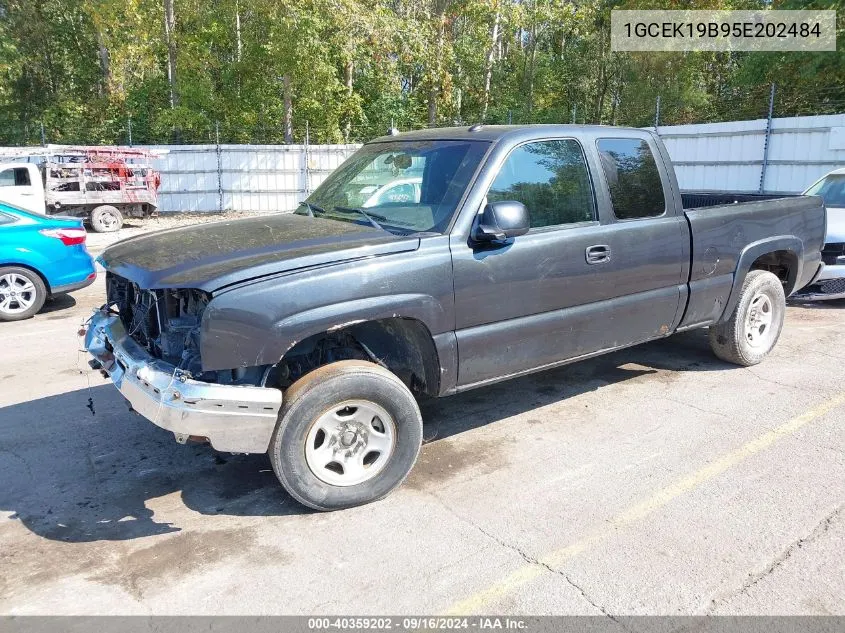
(102, 185)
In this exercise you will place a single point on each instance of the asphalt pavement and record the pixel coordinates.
(655, 480)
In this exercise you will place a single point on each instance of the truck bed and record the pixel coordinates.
(727, 230)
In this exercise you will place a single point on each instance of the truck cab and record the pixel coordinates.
(21, 185)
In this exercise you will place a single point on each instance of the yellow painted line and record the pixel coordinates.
(660, 498)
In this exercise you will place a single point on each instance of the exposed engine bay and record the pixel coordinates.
(166, 323)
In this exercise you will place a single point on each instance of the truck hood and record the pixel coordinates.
(211, 256)
(835, 225)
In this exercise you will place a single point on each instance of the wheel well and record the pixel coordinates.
(784, 264)
(35, 270)
(75, 210)
(403, 346)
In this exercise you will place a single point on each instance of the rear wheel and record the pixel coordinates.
(106, 219)
(754, 327)
(348, 434)
(22, 293)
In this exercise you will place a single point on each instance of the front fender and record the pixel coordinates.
(257, 323)
(234, 337)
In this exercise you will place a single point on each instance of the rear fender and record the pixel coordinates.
(26, 258)
(752, 253)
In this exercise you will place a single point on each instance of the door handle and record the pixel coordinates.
(598, 254)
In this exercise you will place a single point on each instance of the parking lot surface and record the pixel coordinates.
(655, 480)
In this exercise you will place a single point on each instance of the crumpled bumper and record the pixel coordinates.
(234, 418)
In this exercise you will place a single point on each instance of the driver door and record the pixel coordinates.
(557, 292)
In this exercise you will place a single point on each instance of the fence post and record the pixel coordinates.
(219, 167)
(43, 135)
(574, 111)
(657, 115)
(129, 128)
(767, 140)
(307, 173)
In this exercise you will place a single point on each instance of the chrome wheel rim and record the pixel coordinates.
(759, 319)
(350, 443)
(17, 293)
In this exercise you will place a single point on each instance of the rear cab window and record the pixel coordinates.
(633, 178)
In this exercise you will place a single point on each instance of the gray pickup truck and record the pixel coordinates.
(311, 336)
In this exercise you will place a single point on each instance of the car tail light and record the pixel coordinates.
(69, 237)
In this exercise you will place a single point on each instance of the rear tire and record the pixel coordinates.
(106, 219)
(348, 434)
(753, 329)
(22, 293)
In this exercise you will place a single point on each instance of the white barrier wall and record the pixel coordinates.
(197, 178)
(729, 156)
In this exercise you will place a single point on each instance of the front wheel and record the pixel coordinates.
(754, 327)
(348, 434)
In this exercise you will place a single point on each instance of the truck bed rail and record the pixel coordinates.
(699, 199)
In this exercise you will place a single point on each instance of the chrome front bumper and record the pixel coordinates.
(827, 285)
(234, 418)
(834, 271)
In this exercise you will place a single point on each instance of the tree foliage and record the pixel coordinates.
(346, 70)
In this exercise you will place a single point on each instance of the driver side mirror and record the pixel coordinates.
(502, 220)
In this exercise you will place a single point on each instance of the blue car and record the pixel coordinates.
(40, 256)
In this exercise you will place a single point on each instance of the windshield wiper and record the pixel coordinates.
(311, 208)
(370, 216)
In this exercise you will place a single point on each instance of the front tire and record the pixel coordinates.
(348, 434)
(754, 327)
(22, 293)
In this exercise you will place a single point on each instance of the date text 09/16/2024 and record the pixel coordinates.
(410, 623)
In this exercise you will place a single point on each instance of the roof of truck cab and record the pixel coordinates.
(493, 133)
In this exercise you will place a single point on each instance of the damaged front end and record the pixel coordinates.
(148, 343)
(166, 323)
